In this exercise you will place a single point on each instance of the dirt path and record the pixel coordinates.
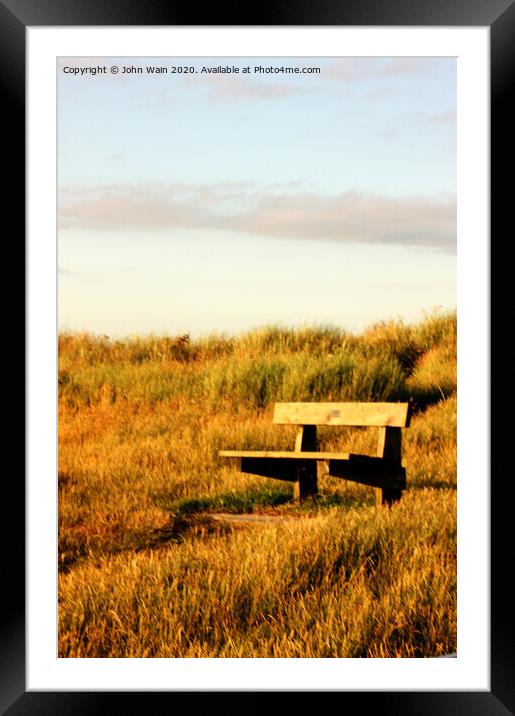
(250, 518)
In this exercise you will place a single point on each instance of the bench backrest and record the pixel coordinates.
(395, 415)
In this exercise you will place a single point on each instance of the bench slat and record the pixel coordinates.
(287, 454)
(350, 414)
(373, 471)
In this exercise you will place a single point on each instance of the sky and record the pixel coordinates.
(209, 202)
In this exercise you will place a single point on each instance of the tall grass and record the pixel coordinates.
(145, 570)
(351, 584)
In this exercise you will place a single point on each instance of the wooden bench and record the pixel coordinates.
(383, 471)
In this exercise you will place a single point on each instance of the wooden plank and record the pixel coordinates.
(303, 473)
(286, 454)
(389, 495)
(306, 439)
(351, 414)
(389, 447)
(306, 483)
(367, 470)
(389, 444)
(375, 472)
(271, 467)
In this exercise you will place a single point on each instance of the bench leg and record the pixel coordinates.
(389, 446)
(387, 495)
(306, 483)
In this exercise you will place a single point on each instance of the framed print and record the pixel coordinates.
(188, 185)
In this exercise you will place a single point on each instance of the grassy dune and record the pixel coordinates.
(145, 570)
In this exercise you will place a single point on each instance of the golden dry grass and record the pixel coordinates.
(144, 571)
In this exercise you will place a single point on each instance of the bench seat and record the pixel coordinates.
(285, 465)
(383, 472)
(287, 454)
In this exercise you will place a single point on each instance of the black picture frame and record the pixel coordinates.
(499, 15)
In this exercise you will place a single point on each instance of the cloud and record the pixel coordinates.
(445, 117)
(244, 207)
(379, 78)
(233, 88)
(229, 87)
(350, 69)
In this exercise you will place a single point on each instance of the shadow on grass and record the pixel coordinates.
(424, 397)
(243, 501)
(263, 501)
(198, 526)
(197, 518)
(179, 527)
